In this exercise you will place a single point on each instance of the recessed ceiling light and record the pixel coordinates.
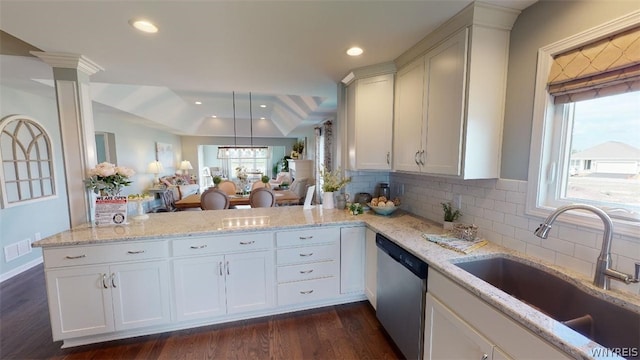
(214, 116)
(354, 51)
(144, 25)
(262, 118)
(198, 103)
(263, 106)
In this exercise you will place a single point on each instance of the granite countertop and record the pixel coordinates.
(403, 228)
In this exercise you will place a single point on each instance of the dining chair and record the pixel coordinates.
(214, 199)
(262, 197)
(228, 186)
(258, 184)
(299, 187)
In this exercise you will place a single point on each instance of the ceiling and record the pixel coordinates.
(289, 54)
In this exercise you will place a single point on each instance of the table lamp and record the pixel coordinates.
(185, 166)
(155, 168)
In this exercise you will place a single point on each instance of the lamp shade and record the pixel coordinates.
(186, 165)
(155, 167)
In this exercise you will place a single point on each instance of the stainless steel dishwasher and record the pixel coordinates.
(402, 287)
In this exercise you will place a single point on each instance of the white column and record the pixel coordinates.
(71, 75)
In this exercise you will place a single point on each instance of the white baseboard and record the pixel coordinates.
(20, 269)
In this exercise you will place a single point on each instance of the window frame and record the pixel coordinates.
(546, 154)
(50, 160)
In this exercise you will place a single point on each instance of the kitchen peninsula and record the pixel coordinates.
(187, 269)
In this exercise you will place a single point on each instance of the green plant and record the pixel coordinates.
(264, 179)
(298, 146)
(356, 208)
(217, 180)
(332, 180)
(449, 213)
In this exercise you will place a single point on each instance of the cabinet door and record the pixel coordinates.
(449, 337)
(79, 301)
(199, 287)
(250, 281)
(445, 77)
(407, 122)
(371, 267)
(373, 123)
(352, 259)
(140, 294)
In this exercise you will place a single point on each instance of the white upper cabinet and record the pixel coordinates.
(369, 104)
(449, 100)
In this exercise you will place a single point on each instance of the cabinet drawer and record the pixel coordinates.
(308, 291)
(307, 236)
(222, 244)
(308, 271)
(98, 254)
(308, 254)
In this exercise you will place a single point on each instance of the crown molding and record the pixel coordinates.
(69, 61)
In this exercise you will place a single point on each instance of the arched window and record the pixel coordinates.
(27, 161)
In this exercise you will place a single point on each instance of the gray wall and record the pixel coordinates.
(541, 24)
(47, 217)
(136, 146)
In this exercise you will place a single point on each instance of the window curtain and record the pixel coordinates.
(323, 153)
(605, 67)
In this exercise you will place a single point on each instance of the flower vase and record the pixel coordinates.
(140, 214)
(327, 200)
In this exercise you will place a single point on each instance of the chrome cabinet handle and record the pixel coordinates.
(104, 281)
(220, 267)
(228, 268)
(422, 157)
(247, 242)
(113, 280)
(198, 247)
(485, 356)
(76, 257)
(308, 254)
(135, 252)
(306, 292)
(306, 237)
(388, 157)
(415, 158)
(306, 271)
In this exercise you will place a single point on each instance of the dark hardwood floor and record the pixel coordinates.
(348, 331)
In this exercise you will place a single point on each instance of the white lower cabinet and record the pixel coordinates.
(112, 298)
(352, 243)
(308, 265)
(449, 337)
(458, 325)
(371, 267)
(224, 284)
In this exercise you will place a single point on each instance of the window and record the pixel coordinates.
(585, 144)
(27, 165)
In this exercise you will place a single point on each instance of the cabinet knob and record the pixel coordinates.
(485, 356)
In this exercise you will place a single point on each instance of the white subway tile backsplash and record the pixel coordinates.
(498, 208)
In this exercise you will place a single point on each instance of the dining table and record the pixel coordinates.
(283, 197)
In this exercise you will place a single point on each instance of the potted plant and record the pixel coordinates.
(265, 180)
(216, 180)
(450, 215)
(298, 148)
(332, 181)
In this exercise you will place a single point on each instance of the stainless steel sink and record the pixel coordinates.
(603, 322)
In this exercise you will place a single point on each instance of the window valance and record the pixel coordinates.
(606, 67)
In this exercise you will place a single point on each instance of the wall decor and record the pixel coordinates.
(164, 154)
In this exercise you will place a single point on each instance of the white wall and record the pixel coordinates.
(47, 217)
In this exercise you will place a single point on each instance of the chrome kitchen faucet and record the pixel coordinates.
(603, 266)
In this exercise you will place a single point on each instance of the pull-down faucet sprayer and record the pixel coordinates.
(603, 266)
